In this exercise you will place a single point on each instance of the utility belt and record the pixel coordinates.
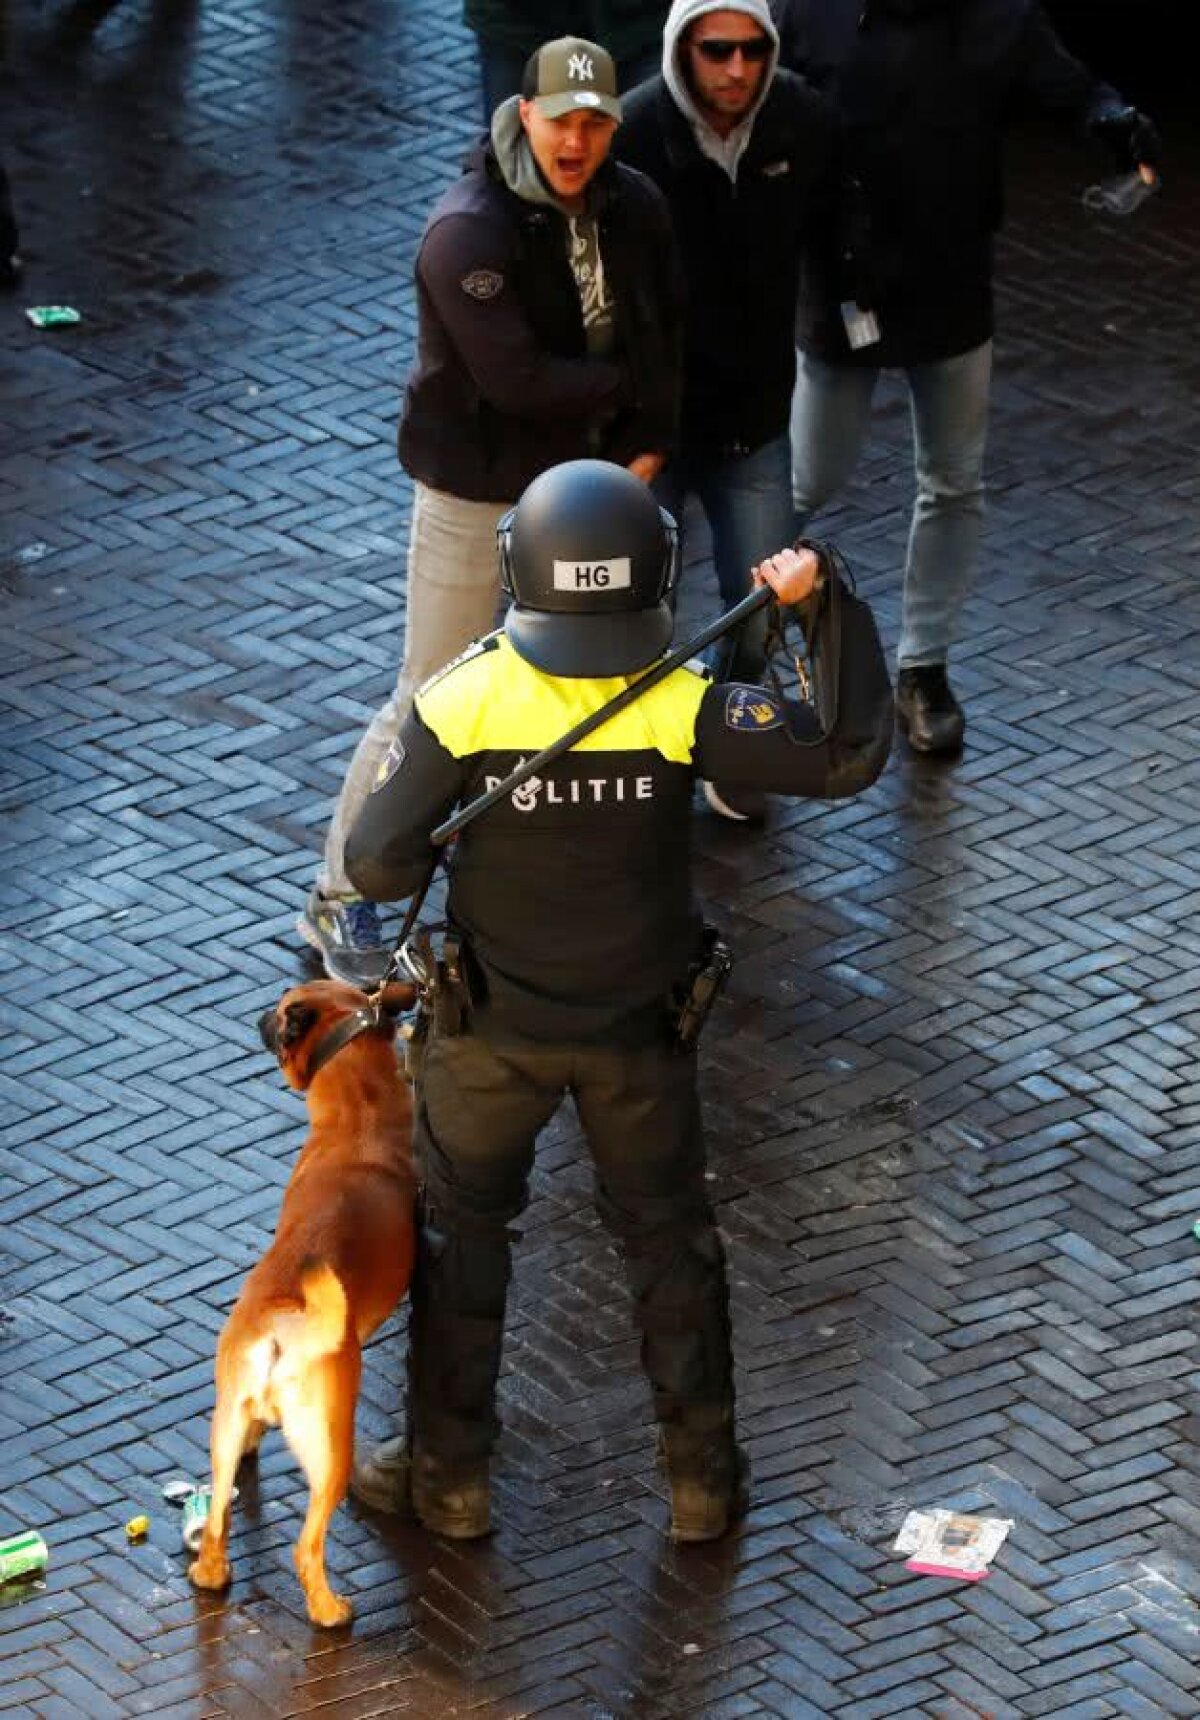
(700, 990)
(444, 998)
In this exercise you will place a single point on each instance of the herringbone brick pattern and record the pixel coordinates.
(953, 1100)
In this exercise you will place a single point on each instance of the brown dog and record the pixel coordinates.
(290, 1353)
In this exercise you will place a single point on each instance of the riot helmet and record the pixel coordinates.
(589, 560)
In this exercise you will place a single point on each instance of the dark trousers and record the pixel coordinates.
(479, 1113)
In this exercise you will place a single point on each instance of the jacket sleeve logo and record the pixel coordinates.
(483, 284)
(750, 708)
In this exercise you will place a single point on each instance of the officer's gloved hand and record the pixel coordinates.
(1131, 138)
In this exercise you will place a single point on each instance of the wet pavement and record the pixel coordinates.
(952, 1099)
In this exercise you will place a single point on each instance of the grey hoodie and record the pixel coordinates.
(727, 152)
(515, 160)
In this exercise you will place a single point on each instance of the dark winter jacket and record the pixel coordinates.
(926, 89)
(503, 386)
(740, 242)
(625, 27)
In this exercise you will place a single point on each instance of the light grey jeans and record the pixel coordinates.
(453, 590)
(831, 410)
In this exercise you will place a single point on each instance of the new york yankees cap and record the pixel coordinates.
(571, 73)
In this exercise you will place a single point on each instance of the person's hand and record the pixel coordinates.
(1130, 136)
(791, 574)
(647, 466)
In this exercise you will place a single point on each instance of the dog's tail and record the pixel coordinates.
(325, 1306)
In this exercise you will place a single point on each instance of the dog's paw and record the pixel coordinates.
(330, 1610)
(209, 1573)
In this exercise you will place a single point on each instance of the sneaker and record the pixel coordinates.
(928, 712)
(742, 805)
(346, 932)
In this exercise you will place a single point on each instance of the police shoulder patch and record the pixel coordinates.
(483, 284)
(751, 708)
(390, 763)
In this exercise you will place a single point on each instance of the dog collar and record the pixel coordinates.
(362, 1021)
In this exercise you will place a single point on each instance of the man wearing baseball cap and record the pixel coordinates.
(549, 309)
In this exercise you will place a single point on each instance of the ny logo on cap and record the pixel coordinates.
(581, 66)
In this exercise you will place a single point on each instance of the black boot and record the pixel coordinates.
(453, 1499)
(928, 711)
(381, 1477)
(710, 1484)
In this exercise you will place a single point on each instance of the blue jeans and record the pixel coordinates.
(830, 412)
(747, 500)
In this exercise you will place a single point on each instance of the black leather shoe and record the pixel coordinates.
(381, 1477)
(452, 1499)
(927, 710)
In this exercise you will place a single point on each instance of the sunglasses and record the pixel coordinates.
(716, 48)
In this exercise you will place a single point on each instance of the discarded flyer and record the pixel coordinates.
(945, 1544)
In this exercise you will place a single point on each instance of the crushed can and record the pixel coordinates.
(195, 1515)
(53, 316)
(23, 1555)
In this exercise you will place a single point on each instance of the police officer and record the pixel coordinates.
(571, 900)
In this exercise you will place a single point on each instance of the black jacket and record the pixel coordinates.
(573, 894)
(503, 387)
(926, 89)
(740, 245)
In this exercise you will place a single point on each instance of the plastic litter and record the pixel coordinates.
(1124, 194)
(947, 1544)
(22, 1556)
(195, 1515)
(137, 1528)
(53, 316)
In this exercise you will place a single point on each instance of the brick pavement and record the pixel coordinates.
(952, 1099)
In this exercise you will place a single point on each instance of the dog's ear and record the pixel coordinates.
(298, 1019)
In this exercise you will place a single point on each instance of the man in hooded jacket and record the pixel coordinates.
(747, 158)
(925, 89)
(549, 305)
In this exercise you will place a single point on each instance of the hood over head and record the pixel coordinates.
(685, 12)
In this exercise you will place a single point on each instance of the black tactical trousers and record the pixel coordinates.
(479, 1112)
